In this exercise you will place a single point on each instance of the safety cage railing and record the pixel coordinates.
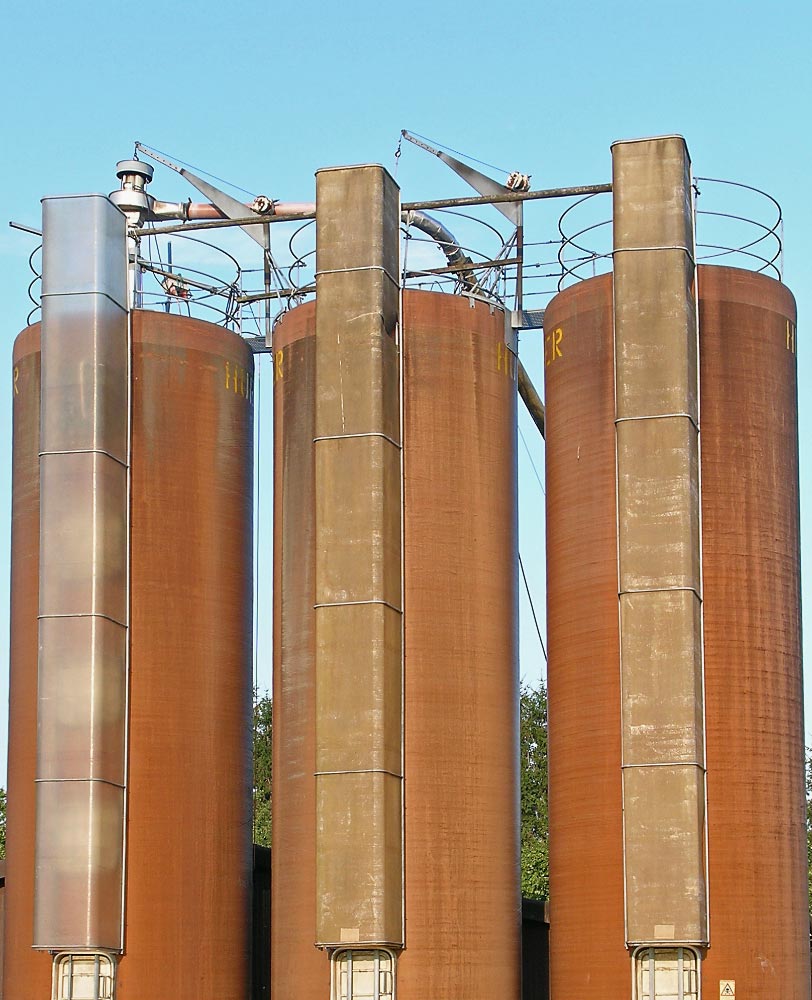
(199, 276)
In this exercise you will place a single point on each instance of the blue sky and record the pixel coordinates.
(265, 94)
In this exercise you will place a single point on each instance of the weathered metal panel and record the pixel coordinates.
(655, 208)
(662, 703)
(664, 804)
(359, 725)
(658, 505)
(359, 869)
(359, 817)
(361, 516)
(658, 495)
(364, 361)
(656, 361)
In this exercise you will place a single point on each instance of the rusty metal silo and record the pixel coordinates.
(26, 972)
(463, 914)
(461, 900)
(586, 832)
(754, 701)
(189, 808)
(188, 862)
(756, 868)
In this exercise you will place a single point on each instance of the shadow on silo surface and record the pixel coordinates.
(260, 925)
(535, 950)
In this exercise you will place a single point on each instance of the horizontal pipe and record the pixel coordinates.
(276, 293)
(25, 229)
(412, 206)
(202, 210)
(253, 220)
(146, 265)
(508, 196)
(470, 266)
(290, 209)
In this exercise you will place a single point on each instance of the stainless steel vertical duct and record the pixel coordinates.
(659, 551)
(83, 592)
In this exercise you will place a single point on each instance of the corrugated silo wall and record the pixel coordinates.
(463, 908)
(462, 912)
(754, 716)
(759, 920)
(189, 829)
(188, 837)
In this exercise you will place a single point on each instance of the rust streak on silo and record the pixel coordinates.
(189, 845)
(296, 966)
(462, 879)
(588, 958)
(754, 704)
(26, 973)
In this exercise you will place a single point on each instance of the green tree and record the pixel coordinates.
(809, 821)
(2, 822)
(533, 784)
(533, 774)
(263, 768)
